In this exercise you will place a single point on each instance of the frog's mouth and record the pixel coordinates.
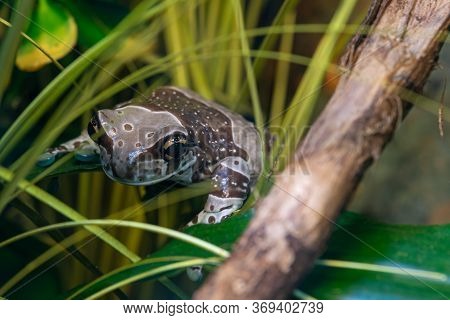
(150, 180)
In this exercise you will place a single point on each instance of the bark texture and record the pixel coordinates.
(294, 221)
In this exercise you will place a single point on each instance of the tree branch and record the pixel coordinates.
(294, 221)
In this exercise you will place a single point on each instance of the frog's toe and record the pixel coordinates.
(205, 217)
(46, 159)
(195, 273)
(86, 155)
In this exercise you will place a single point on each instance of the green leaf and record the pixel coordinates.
(418, 253)
(54, 29)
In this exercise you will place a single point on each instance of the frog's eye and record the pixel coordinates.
(93, 127)
(174, 146)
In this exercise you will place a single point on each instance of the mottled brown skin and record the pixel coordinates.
(209, 129)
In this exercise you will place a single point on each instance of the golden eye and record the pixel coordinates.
(168, 144)
(174, 140)
(174, 146)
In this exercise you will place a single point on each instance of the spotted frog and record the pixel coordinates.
(175, 135)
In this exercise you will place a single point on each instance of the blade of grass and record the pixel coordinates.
(408, 272)
(257, 113)
(271, 35)
(302, 105)
(11, 42)
(134, 239)
(280, 85)
(234, 78)
(218, 68)
(251, 80)
(253, 13)
(122, 223)
(197, 71)
(175, 43)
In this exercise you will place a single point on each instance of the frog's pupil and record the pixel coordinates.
(175, 150)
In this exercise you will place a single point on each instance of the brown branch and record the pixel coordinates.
(294, 221)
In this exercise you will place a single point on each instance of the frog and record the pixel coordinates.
(174, 134)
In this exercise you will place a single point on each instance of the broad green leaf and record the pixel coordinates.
(54, 29)
(419, 253)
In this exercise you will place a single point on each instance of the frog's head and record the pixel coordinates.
(139, 146)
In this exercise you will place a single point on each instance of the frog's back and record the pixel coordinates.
(219, 132)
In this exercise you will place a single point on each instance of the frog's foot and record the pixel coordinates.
(195, 273)
(224, 208)
(87, 153)
(231, 181)
(84, 148)
(46, 159)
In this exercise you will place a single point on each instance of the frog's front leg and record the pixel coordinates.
(83, 146)
(231, 186)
